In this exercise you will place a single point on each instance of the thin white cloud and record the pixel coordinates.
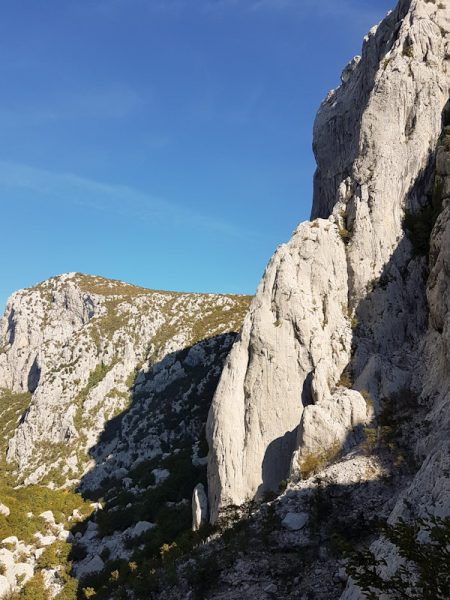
(109, 103)
(299, 7)
(125, 201)
(360, 13)
(355, 9)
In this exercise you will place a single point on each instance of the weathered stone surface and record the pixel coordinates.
(93, 566)
(330, 425)
(140, 528)
(44, 540)
(199, 507)
(293, 347)
(8, 564)
(4, 510)
(23, 572)
(12, 539)
(295, 521)
(74, 341)
(48, 516)
(5, 586)
(374, 139)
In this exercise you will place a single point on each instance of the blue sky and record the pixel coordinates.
(163, 142)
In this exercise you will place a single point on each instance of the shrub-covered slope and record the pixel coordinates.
(105, 392)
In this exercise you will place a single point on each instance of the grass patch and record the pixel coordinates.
(345, 235)
(31, 499)
(408, 51)
(314, 461)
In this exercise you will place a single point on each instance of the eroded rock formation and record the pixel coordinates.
(81, 344)
(346, 296)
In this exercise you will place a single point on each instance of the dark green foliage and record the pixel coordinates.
(345, 235)
(147, 507)
(408, 51)
(35, 589)
(78, 552)
(446, 139)
(98, 374)
(425, 574)
(54, 555)
(204, 575)
(392, 431)
(283, 485)
(420, 225)
(69, 591)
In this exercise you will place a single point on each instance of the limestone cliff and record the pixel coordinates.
(77, 344)
(344, 302)
(335, 395)
(105, 387)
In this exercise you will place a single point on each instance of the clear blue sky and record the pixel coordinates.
(163, 142)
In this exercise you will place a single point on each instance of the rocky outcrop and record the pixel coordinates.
(427, 495)
(293, 347)
(77, 343)
(346, 293)
(329, 427)
(199, 507)
(339, 381)
(106, 386)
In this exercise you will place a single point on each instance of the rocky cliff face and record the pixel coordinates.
(331, 408)
(294, 345)
(103, 386)
(82, 346)
(343, 304)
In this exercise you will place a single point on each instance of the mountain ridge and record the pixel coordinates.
(312, 412)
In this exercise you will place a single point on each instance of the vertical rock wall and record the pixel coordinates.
(374, 139)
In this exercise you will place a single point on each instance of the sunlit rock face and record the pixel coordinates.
(82, 347)
(347, 292)
(293, 347)
(104, 387)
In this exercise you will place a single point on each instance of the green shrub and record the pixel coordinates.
(369, 402)
(35, 589)
(54, 555)
(314, 461)
(420, 225)
(425, 574)
(346, 379)
(204, 573)
(345, 235)
(446, 139)
(283, 485)
(11, 595)
(408, 51)
(69, 591)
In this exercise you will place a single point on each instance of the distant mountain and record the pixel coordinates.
(180, 446)
(107, 387)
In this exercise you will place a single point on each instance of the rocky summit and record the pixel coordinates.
(294, 445)
(105, 390)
